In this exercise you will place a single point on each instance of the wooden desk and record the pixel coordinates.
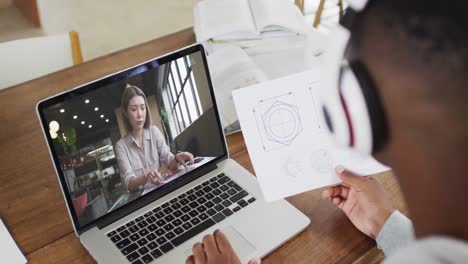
(33, 208)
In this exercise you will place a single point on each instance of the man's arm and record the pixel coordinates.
(369, 208)
(363, 201)
(396, 233)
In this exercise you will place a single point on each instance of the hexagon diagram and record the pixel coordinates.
(279, 121)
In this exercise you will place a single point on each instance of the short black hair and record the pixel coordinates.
(433, 36)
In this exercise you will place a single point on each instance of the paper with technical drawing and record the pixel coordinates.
(290, 149)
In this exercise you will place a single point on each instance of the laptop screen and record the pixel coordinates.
(134, 133)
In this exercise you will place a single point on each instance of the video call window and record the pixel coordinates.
(134, 135)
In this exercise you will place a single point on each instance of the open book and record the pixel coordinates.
(246, 19)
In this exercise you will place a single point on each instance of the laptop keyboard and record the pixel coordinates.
(158, 231)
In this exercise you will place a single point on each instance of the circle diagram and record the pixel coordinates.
(282, 123)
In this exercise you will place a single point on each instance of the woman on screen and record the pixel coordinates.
(142, 151)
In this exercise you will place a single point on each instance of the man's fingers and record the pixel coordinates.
(198, 253)
(348, 177)
(334, 191)
(209, 244)
(223, 243)
(339, 202)
(336, 201)
(255, 261)
(190, 260)
(326, 194)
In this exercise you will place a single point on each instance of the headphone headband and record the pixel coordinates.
(357, 5)
(351, 107)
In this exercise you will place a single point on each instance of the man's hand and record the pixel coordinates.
(215, 249)
(363, 201)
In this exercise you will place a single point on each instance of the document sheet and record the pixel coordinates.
(289, 146)
(9, 251)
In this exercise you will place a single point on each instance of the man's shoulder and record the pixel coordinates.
(437, 249)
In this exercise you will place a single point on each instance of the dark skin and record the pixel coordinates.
(426, 148)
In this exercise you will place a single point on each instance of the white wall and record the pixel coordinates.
(114, 25)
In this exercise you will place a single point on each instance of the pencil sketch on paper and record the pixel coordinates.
(313, 86)
(321, 161)
(294, 167)
(278, 121)
(291, 151)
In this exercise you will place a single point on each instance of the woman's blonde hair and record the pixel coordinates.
(129, 92)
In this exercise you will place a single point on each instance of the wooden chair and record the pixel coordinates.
(318, 14)
(27, 59)
(320, 8)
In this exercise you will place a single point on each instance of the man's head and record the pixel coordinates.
(417, 53)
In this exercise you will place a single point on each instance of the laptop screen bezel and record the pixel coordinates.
(147, 198)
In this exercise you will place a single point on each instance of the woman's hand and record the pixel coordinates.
(215, 249)
(363, 201)
(154, 177)
(186, 158)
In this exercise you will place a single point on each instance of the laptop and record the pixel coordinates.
(144, 168)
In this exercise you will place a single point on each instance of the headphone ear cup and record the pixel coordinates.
(332, 112)
(371, 112)
(354, 106)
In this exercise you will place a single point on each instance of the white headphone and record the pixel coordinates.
(350, 104)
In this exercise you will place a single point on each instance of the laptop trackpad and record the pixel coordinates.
(241, 246)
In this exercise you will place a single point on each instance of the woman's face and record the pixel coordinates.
(136, 112)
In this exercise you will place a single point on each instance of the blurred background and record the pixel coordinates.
(106, 26)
